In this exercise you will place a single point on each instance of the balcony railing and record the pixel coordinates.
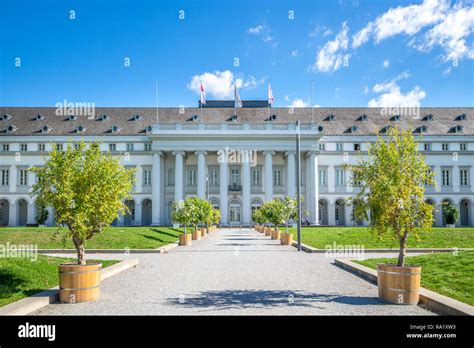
(235, 188)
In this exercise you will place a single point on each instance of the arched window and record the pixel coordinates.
(256, 204)
(214, 202)
(234, 211)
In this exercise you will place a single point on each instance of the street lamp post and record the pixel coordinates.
(298, 182)
(207, 198)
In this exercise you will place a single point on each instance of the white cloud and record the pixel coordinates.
(331, 56)
(446, 26)
(451, 34)
(366, 90)
(264, 33)
(220, 84)
(327, 32)
(362, 36)
(386, 63)
(298, 103)
(392, 96)
(294, 53)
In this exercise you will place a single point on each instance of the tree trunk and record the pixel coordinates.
(80, 251)
(403, 249)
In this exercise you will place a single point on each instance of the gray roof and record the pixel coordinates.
(23, 118)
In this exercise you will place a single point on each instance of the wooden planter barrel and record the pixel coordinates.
(203, 232)
(286, 239)
(197, 235)
(185, 240)
(399, 285)
(79, 283)
(268, 231)
(276, 234)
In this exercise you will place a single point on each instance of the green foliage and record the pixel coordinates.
(194, 211)
(216, 216)
(392, 183)
(257, 216)
(273, 212)
(86, 188)
(450, 213)
(42, 215)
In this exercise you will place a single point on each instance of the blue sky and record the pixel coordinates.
(357, 53)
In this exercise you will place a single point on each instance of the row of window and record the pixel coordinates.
(426, 147)
(60, 147)
(21, 181)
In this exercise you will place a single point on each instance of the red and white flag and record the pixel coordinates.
(203, 95)
(270, 94)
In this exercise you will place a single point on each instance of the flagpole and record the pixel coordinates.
(312, 105)
(156, 95)
(268, 101)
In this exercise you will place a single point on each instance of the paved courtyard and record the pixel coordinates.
(234, 272)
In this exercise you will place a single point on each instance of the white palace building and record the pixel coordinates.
(237, 160)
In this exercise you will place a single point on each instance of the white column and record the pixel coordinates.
(138, 179)
(138, 214)
(12, 221)
(438, 215)
(223, 190)
(471, 214)
(314, 193)
(348, 214)
(471, 179)
(268, 175)
(456, 179)
(156, 189)
(178, 176)
(246, 193)
(331, 178)
(13, 178)
(332, 214)
(31, 218)
(291, 173)
(438, 178)
(201, 174)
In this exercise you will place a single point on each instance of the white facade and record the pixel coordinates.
(177, 160)
(184, 161)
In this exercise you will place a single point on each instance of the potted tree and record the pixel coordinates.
(450, 214)
(288, 212)
(206, 216)
(87, 189)
(182, 215)
(392, 183)
(257, 218)
(215, 219)
(266, 211)
(194, 205)
(276, 217)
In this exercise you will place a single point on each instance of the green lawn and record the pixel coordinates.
(22, 277)
(319, 237)
(114, 238)
(444, 273)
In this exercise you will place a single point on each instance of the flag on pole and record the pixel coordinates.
(237, 101)
(203, 95)
(270, 95)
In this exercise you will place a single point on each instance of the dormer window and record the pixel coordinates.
(46, 129)
(195, 118)
(11, 129)
(331, 118)
(272, 118)
(103, 117)
(320, 129)
(363, 117)
(354, 129)
(72, 118)
(385, 129)
(395, 118)
(148, 129)
(461, 117)
(6, 117)
(115, 129)
(421, 129)
(457, 129)
(39, 117)
(428, 117)
(234, 118)
(80, 129)
(136, 118)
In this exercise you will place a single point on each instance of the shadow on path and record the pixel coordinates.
(235, 299)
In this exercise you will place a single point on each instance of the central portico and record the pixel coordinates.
(237, 167)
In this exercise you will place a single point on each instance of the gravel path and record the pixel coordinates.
(234, 272)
